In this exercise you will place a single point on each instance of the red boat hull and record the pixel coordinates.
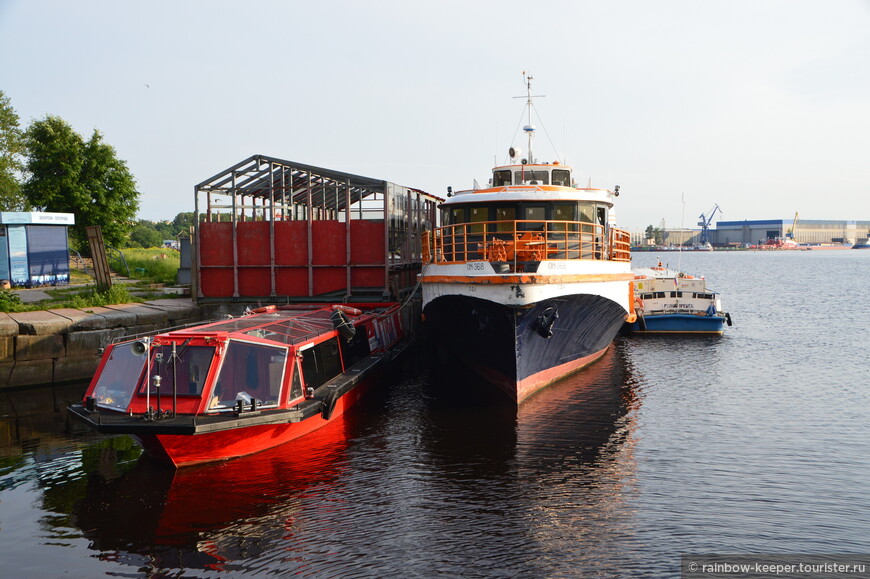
(184, 450)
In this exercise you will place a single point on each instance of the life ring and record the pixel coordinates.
(347, 310)
(264, 309)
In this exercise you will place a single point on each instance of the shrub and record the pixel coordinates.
(9, 301)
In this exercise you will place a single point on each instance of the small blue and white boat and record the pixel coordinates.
(670, 302)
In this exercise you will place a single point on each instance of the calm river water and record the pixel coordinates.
(755, 442)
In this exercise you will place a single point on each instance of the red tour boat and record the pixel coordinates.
(241, 385)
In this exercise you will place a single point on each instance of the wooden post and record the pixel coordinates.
(98, 255)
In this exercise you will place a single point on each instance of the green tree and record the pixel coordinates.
(654, 233)
(144, 234)
(183, 222)
(70, 175)
(11, 150)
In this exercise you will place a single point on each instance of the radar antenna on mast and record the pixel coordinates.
(529, 128)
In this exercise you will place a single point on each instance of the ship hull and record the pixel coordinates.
(679, 324)
(184, 450)
(522, 348)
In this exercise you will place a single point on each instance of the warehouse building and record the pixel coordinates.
(809, 231)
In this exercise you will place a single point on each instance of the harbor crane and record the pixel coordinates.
(705, 224)
(791, 232)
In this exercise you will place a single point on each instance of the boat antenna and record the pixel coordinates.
(529, 128)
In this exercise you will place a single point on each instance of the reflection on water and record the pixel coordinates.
(753, 442)
(205, 516)
(433, 474)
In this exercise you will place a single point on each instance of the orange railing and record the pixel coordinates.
(524, 241)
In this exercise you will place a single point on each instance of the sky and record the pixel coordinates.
(761, 107)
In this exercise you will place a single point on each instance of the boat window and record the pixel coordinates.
(355, 350)
(587, 212)
(501, 178)
(532, 177)
(564, 211)
(119, 377)
(534, 213)
(457, 215)
(602, 215)
(188, 369)
(249, 372)
(562, 177)
(321, 363)
(296, 386)
(676, 294)
(505, 216)
(478, 215)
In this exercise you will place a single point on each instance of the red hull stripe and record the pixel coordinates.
(531, 384)
(521, 390)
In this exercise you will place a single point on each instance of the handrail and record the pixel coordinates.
(525, 241)
(123, 260)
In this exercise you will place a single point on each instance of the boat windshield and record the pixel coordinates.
(501, 178)
(119, 377)
(532, 177)
(187, 369)
(249, 372)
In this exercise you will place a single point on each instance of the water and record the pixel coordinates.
(754, 442)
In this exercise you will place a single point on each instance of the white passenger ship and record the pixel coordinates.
(527, 281)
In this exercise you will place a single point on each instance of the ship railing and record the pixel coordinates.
(620, 245)
(525, 241)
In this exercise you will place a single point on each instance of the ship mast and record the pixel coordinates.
(529, 128)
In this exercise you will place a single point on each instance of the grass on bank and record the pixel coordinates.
(157, 264)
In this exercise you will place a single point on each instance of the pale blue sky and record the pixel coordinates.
(761, 106)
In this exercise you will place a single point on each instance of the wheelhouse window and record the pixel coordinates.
(249, 372)
(119, 377)
(562, 177)
(532, 177)
(501, 178)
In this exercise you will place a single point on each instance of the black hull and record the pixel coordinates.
(521, 349)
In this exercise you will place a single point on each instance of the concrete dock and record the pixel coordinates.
(62, 345)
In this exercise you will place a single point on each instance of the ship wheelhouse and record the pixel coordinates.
(531, 213)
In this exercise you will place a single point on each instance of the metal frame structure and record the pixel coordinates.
(262, 188)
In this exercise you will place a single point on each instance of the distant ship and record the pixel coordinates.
(670, 302)
(527, 280)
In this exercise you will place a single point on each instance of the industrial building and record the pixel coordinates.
(807, 231)
(753, 232)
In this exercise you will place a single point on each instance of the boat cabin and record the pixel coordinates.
(530, 214)
(269, 360)
(545, 174)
